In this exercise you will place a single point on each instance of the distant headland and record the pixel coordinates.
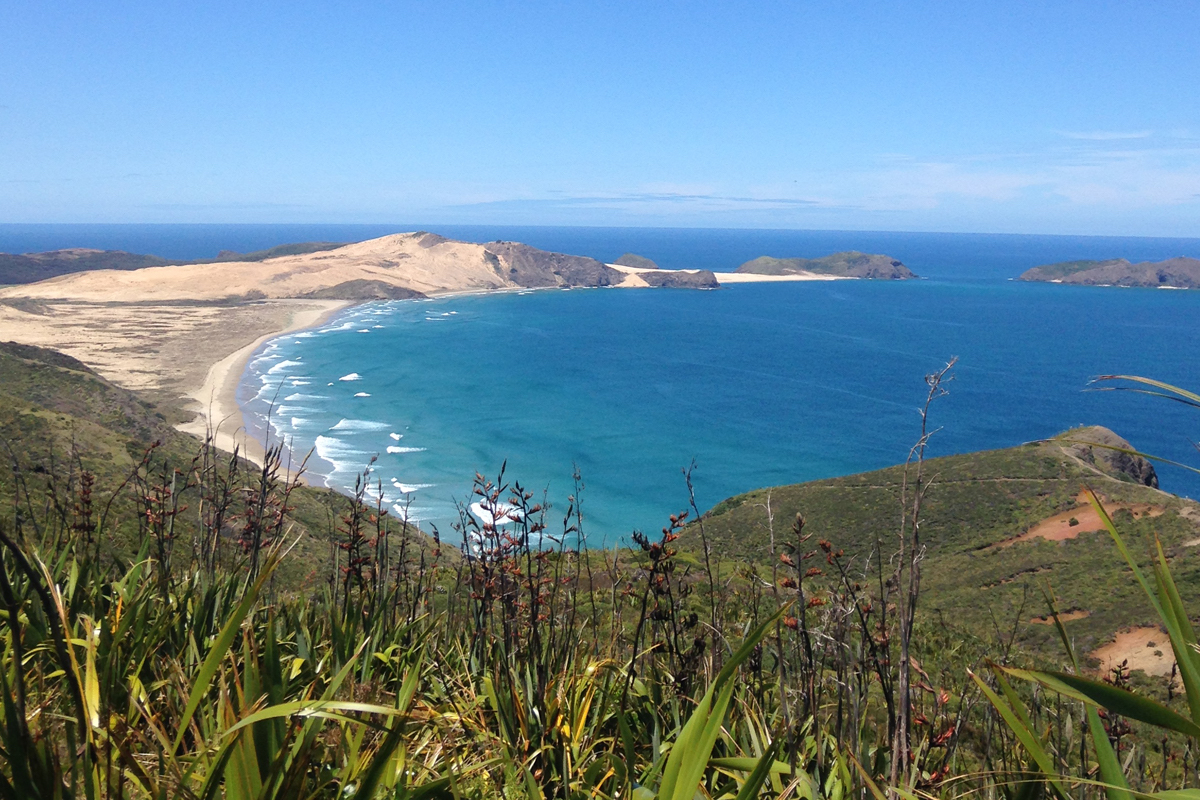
(1173, 273)
(848, 264)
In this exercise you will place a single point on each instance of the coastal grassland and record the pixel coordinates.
(162, 651)
(59, 420)
(977, 504)
(32, 267)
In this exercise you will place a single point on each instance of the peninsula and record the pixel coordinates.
(1173, 273)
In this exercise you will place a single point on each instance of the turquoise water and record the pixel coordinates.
(758, 384)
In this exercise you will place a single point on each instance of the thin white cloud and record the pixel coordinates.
(1105, 136)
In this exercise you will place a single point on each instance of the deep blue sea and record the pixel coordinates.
(757, 384)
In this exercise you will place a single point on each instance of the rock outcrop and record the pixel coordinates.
(533, 268)
(1109, 453)
(680, 279)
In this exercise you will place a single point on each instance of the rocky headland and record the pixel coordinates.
(1173, 273)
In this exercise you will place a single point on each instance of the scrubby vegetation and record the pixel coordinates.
(155, 643)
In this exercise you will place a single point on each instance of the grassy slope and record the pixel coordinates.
(977, 500)
(52, 405)
(634, 260)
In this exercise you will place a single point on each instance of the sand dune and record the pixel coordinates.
(422, 262)
(184, 332)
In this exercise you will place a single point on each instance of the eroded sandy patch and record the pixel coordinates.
(1081, 519)
(1147, 649)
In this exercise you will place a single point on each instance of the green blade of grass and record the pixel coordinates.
(220, 647)
(689, 755)
(1109, 697)
(1106, 757)
(1167, 390)
(1169, 593)
(1016, 721)
(758, 776)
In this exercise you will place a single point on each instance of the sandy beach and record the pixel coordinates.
(216, 398)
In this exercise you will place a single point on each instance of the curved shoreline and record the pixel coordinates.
(217, 396)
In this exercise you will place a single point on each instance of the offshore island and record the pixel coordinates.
(1173, 273)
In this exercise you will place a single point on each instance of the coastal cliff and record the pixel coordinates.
(848, 264)
(1177, 273)
(532, 268)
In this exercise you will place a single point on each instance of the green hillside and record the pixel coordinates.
(33, 267)
(58, 418)
(295, 249)
(976, 502)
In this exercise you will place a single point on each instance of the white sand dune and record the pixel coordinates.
(422, 262)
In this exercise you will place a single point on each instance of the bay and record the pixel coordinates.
(758, 384)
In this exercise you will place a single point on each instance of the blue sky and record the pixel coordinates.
(1069, 117)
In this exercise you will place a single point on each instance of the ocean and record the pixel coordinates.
(754, 385)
